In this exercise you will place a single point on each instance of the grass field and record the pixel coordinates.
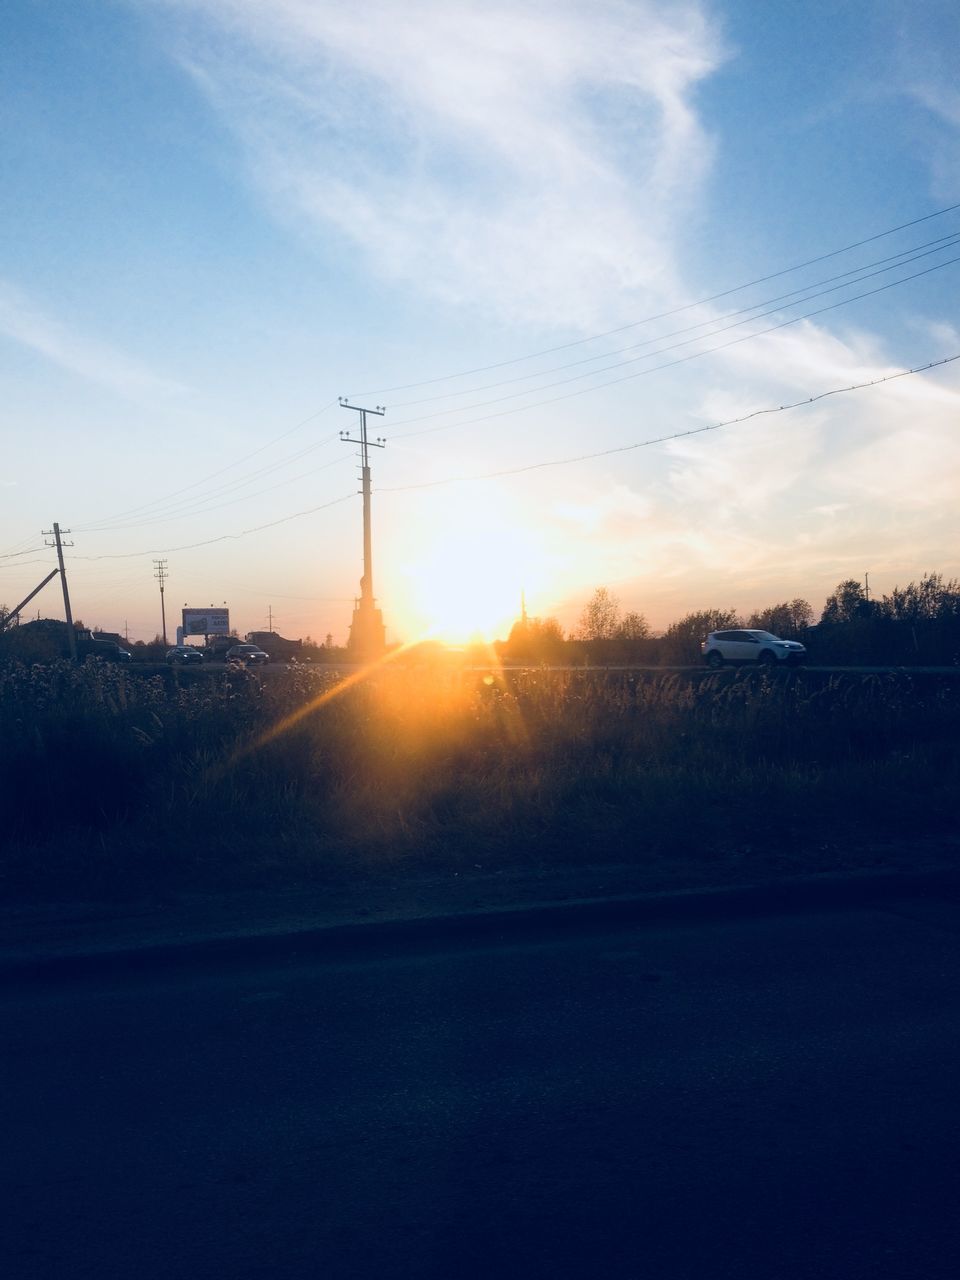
(114, 784)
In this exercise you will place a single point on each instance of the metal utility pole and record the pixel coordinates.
(160, 573)
(59, 544)
(367, 636)
(270, 618)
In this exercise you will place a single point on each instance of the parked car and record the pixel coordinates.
(184, 653)
(247, 653)
(750, 646)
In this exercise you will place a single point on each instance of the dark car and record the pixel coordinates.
(181, 653)
(248, 653)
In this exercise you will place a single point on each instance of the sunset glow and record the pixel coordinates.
(467, 584)
(528, 235)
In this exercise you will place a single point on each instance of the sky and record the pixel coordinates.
(533, 232)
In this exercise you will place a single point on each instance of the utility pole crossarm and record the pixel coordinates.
(364, 442)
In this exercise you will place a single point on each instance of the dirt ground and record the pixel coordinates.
(406, 892)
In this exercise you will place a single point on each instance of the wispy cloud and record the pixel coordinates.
(781, 505)
(865, 475)
(530, 159)
(24, 322)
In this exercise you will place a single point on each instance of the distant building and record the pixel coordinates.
(276, 646)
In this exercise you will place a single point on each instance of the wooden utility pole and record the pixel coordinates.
(160, 573)
(59, 544)
(367, 635)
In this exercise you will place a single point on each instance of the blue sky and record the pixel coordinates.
(219, 215)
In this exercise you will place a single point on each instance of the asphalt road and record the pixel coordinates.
(758, 1098)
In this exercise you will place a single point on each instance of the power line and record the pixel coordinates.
(15, 547)
(224, 537)
(202, 511)
(25, 563)
(12, 555)
(669, 364)
(675, 435)
(861, 273)
(557, 462)
(663, 315)
(280, 595)
(197, 504)
(229, 466)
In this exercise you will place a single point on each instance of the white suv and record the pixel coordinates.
(749, 646)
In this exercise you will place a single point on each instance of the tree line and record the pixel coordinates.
(915, 625)
(918, 624)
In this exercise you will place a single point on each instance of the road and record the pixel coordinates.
(765, 1097)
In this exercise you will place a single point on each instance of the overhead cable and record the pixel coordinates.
(23, 564)
(205, 510)
(12, 555)
(663, 315)
(229, 466)
(902, 259)
(669, 364)
(676, 435)
(224, 537)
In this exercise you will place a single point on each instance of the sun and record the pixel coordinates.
(466, 583)
(465, 589)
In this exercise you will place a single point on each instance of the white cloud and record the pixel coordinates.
(895, 445)
(944, 334)
(942, 100)
(784, 505)
(531, 159)
(22, 321)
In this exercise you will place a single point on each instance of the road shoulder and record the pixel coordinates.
(57, 939)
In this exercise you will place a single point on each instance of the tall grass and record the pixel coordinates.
(110, 780)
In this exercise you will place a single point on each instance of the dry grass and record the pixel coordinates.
(110, 782)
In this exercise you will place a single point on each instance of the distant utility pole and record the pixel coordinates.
(160, 573)
(59, 544)
(866, 578)
(367, 635)
(270, 619)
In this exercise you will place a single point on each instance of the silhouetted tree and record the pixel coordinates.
(930, 599)
(534, 640)
(633, 626)
(847, 603)
(787, 619)
(681, 641)
(600, 617)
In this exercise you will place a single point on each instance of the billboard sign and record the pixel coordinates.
(206, 622)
